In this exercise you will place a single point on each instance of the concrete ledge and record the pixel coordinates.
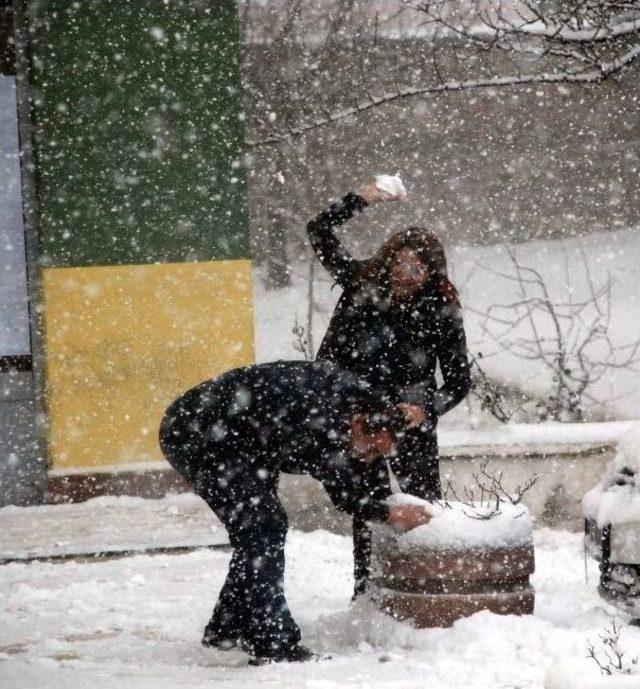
(304, 499)
(543, 439)
(147, 480)
(108, 527)
(567, 468)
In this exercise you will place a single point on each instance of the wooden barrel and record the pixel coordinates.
(434, 587)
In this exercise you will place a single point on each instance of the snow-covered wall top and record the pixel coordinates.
(514, 437)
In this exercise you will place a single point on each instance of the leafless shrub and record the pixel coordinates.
(570, 338)
(610, 657)
(484, 499)
(488, 392)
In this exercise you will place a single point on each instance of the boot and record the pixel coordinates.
(286, 654)
(224, 640)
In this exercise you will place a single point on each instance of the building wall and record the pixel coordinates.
(142, 219)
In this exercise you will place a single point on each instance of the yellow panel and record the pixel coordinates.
(123, 341)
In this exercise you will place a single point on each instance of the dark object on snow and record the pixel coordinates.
(619, 581)
(230, 438)
(612, 533)
(394, 345)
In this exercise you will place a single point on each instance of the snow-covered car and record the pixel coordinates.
(612, 526)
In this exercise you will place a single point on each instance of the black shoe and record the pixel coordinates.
(288, 654)
(223, 641)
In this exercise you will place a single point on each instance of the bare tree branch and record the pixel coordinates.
(539, 42)
(570, 338)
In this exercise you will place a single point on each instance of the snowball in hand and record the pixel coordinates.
(391, 184)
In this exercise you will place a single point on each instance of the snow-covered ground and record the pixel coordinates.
(108, 524)
(561, 263)
(137, 621)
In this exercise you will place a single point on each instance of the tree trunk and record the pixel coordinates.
(277, 254)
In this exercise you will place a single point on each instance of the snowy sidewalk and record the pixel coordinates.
(108, 527)
(136, 622)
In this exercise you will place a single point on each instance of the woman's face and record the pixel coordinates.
(407, 273)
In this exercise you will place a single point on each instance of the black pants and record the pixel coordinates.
(416, 468)
(242, 494)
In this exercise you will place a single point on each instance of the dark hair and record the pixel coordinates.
(429, 249)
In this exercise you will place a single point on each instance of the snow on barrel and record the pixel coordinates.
(469, 557)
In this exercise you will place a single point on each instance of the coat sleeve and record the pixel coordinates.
(451, 352)
(454, 363)
(341, 265)
(359, 492)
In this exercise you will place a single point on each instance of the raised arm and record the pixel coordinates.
(340, 264)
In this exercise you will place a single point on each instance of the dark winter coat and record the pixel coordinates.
(394, 346)
(286, 416)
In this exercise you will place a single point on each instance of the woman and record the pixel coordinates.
(398, 315)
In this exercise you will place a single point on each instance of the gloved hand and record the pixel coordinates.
(414, 415)
(407, 517)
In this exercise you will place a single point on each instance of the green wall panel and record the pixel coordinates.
(138, 130)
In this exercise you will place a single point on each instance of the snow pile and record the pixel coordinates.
(627, 460)
(456, 526)
(391, 184)
(616, 499)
